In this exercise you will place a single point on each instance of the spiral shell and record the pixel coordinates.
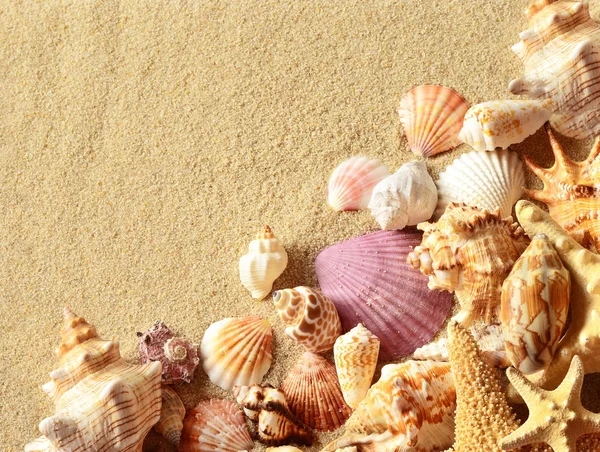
(172, 413)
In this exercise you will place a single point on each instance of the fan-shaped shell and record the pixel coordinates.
(237, 351)
(369, 281)
(489, 180)
(352, 182)
(432, 117)
(172, 413)
(314, 395)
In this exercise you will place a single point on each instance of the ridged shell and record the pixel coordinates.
(410, 408)
(215, 425)
(500, 123)
(355, 355)
(535, 304)
(489, 180)
(369, 281)
(283, 449)
(237, 351)
(263, 264)
(352, 182)
(313, 393)
(432, 117)
(172, 413)
(312, 318)
(407, 197)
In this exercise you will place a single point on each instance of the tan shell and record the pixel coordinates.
(283, 449)
(172, 413)
(312, 318)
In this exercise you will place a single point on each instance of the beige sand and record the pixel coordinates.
(142, 144)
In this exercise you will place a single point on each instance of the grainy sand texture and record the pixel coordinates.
(143, 144)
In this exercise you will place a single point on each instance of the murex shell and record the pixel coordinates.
(263, 264)
(312, 318)
(172, 413)
(370, 282)
(432, 117)
(535, 303)
(405, 198)
(470, 252)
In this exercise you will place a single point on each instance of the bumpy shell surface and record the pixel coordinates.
(356, 354)
(314, 395)
(172, 413)
(265, 262)
(490, 180)
(312, 318)
(405, 198)
(215, 425)
(369, 281)
(500, 123)
(237, 351)
(535, 304)
(432, 117)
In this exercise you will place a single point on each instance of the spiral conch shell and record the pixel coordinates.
(265, 262)
(172, 413)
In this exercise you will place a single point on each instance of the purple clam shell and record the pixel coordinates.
(369, 281)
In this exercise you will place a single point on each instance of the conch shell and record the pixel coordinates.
(172, 413)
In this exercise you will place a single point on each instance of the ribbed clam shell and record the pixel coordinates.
(432, 117)
(355, 355)
(172, 413)
(215, 425)
(237, 351)
(313, 393)
(352, 182)
(489, 180)
(369, 281)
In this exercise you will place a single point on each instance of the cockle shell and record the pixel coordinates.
(355, 355)
(265, 262)
(489, 180)
(352, 182)
(405, 198)
(172, 413)
(237, 351)
(560, 54)
(432, 116)
(215, 425)
(314, 395)
(410, 408)
(500, 123)
(312, 318)
(369, 281)
(535, 304)
(470, 252)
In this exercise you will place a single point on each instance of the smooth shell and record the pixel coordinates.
(172, 413)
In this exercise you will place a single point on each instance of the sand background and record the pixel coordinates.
(143, 144)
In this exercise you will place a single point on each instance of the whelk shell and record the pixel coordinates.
(172, 413)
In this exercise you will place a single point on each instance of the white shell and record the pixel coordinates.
(434, 351)
(406, 198)
(488, 180)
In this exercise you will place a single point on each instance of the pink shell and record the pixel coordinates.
(369, 281)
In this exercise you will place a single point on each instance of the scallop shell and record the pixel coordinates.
(356, 354)
(489, 180)
(314, 394)
(500, 123)
(265, 262)
(432, 117)
(405, 198)
(535, 303)
(237, 351)
(352, 182)
(172, 413)
(215, 425)
(312, 318)
(369, 281)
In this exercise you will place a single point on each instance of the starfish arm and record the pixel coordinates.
(526, 434)
(570, 387)
(526, 389)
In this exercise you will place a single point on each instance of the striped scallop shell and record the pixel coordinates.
(352, 182)
(432, 117)
(237, 351)
(172, 413)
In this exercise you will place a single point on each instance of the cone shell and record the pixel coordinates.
(263, 264)
(356, 354)
(500, 123)
(312, 318)
(352, 182)
(215, 425)
(489, 180)
(535, 303)
(314, 395)
(369, 281)
(432, 117)
(237, 351)
(172, 413)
